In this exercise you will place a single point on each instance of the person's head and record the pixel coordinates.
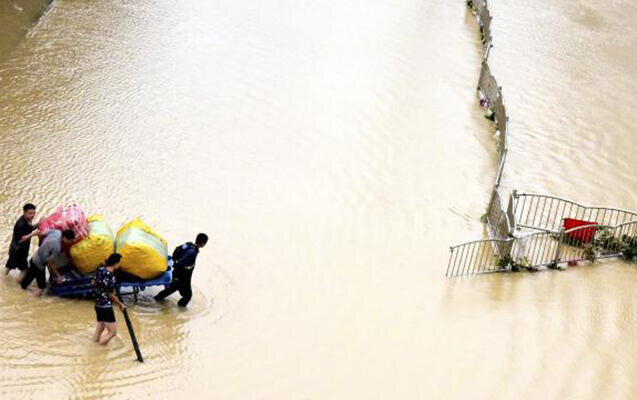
(68, 236)
(113, 261)
(29, 211)
(201, 240)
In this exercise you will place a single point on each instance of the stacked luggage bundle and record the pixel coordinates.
(145, 260)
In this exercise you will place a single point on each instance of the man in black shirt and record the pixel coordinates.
(184, 257)
(23, 231)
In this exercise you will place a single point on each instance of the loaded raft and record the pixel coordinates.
(76, 285)
(144, 263)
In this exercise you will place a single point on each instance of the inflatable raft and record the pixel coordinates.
(79, 286)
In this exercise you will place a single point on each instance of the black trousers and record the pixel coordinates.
(185, 290)
(18, 259)
(36, 273)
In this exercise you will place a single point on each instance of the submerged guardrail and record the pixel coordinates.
(542, 212)
(530, 231)
(535, 250)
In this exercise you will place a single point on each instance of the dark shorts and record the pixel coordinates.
(105, 314)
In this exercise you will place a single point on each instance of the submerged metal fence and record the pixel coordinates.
(487, 84)
(477, 257)
(535, 250)
(483, 15)
(490, 255)
(599, 241)
(497, 220)
(491, 98)
(548, 244)
(542, 212)
(542, 249)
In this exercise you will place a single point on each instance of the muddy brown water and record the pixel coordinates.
(333, 151)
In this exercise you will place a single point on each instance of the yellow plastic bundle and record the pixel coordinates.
(90, 252)
(144, 252)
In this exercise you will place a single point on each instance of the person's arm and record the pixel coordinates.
(116, 300)
(54, 271)
(28, 236)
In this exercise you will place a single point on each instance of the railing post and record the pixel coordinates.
(511, 214)
(450, 257)
(558, 249)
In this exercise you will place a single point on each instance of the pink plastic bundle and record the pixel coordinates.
(71, 217)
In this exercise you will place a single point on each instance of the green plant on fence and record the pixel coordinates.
(506, 262)
(589, 252)
(503, 262)
(606, 242)
(521, 263)
(628, 247)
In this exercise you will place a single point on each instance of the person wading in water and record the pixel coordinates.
(184, 257)
(105, 296)
(23, 231)
(49, 254)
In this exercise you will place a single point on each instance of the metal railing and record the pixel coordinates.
(487, 84)
(488, 89)
(502, 122)
(541, 249)
(542, 212)
(599, 241)
(610, 230)
(483, 15)
(497, 218)
(491, 98)
(535, 250)
(477, 257)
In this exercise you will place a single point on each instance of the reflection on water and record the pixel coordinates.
(333, 151)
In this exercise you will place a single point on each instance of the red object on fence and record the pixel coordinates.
(71, 217)
(584, 235)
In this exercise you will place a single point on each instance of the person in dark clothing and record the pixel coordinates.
(105, 296)
(23, 231)
(184, 258)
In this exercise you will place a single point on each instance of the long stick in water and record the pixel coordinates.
(132, 336)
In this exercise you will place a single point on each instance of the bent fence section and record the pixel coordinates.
(612, 231)
(542, 212)
(492, 99)
(538, 249)
(487, 84)
(477, 257)
(542, 249)
(484, 19)
(499, 223)
(598, 241)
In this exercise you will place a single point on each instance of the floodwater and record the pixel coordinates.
(333, 151)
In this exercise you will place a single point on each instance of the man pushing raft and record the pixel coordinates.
(184, 258)
(23, 231)
(49, 254)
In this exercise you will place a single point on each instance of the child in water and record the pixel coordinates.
(104, 282)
